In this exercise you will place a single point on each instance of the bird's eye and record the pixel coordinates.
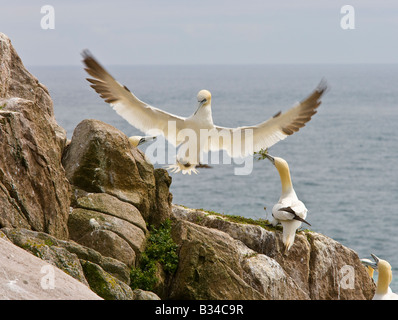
(204, 100)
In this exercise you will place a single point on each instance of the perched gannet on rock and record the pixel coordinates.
(289, 211)
(177, 129)
(383, 291)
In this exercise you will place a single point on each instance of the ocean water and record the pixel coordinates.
(344, 163)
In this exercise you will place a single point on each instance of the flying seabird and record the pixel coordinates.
(289, 211)
(178, 130)
(383, 291)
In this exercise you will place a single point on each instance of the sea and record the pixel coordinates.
(344, 162)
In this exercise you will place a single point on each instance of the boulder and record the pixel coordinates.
(100, 159)
(110, 205)
(34, 191)
(316, 267)
(26, 277)
(105, 285)
(215, 266)
(66, 255)
(109, 235)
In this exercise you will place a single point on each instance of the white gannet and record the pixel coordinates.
(147, 119)
(383, 291)
(289, 211)
(136, 141)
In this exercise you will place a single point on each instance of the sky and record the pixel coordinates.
(158, 32)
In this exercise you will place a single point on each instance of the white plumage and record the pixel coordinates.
(289, 211)
(240, 142)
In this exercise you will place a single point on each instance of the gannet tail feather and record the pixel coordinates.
(177, 167)
(295, 216)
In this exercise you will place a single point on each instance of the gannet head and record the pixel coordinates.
(279, 163)
(371, 264)
(135, 141)
(368, 264)
(385, 274)
(382, 266)
(204, 99)
(284, 172)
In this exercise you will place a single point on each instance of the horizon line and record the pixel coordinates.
(221, 64)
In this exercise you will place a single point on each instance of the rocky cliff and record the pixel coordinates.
(95, 208)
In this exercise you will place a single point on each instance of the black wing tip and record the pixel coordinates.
(295, 216)
(86, 54)
(323, 86)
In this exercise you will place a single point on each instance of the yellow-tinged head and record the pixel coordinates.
(385, 274)
(204, 100)
(284, 172)
(135, 141)
(204, 97)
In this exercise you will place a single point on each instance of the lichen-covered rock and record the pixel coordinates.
(105, 285)
(26, 277)
(209, 266)
(66, 255)
(110, 205)
(34, 191)
(99, 159)
(315, 267)
(109, 235)
(144, 295)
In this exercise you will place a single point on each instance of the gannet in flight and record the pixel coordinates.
(175, 128)
(289, 211)
(383, 291)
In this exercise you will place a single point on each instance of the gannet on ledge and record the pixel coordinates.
(289, 211)
(147, 119)
(383, 291)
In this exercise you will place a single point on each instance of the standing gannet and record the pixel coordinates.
(383, 291)
(289, 211)
(187, 132)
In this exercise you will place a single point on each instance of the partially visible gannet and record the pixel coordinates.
(289, 211)
(136, 141)
(367, 263)
(383, 291)
(147, 119)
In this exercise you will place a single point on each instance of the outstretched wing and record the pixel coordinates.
(144, 117)
(236, 141)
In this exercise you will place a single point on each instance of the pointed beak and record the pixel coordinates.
(145, 139)
(369, 263)
(201, 103)
(270, 158)
(375, 258)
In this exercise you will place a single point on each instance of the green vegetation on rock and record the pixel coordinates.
(161, 250)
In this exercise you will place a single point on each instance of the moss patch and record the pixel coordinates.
(264, 223)
(161, 250)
